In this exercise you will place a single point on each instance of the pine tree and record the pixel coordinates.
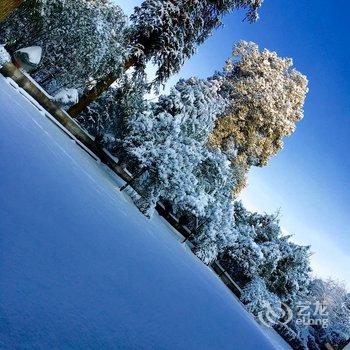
(23, 27)
(81, 40)
(260, 250)
(267, 98)
(217, 232)
(335, 297)
(167, 32)
(170, 139)
(291, 277)
(259, 300)
(107, 118)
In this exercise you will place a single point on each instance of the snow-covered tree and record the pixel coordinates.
(335, 297)
(261, 302)
(4, 56)
(261, 250)
(81, 39)
(23, 26)
(325, 317)
(107, 118)
(243, 259)
(167, 32)
(267, 98)
(170, 137)
(217, 231)
(291, 276)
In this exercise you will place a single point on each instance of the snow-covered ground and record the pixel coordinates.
(81, 268)
(4, 56)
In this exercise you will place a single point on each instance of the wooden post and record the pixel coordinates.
(7, 6)
(198, 226)
(136, 176)
(221, 273)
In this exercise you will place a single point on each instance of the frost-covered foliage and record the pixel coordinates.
(267, 98)
(107, 118)
(4, 56)
(66, 96)
(291, 277)
(169, 139)
(258, 299)
(325, 317)
(175, 140)
(261, 250)
(217, 232)
(269, 267)
(167, 32)
(337, 313)
(81, 39)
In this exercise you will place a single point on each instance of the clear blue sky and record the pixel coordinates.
(310, 179)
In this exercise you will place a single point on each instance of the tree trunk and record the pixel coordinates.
(7, 6)
(101, 86)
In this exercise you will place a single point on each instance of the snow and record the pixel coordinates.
(67, 96)
(34, 82)
(34, 53)
(82, 268)
(4, 56)
(276, 339)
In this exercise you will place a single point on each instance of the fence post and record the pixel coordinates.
(136, 176)
(222, 272)
(196, 229)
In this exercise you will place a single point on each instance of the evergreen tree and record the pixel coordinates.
(23, 27)
(336, 317)
(81, 40)
(291, 277)
(267, 98)
(217, 232)
(261, 250)
(107, 118)
(258, 300)
(167, 32)
(170, 139)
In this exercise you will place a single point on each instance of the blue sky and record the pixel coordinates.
(309, 180)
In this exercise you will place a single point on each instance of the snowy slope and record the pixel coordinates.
(81, 268)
